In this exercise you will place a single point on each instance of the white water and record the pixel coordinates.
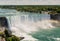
(23, 23)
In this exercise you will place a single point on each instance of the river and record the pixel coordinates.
(31, 26)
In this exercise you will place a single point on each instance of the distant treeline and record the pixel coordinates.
(33, 8)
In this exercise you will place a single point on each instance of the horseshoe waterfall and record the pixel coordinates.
(32, 26)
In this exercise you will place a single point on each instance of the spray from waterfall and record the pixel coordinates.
(24, 23)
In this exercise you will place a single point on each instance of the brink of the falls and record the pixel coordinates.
(31, 26)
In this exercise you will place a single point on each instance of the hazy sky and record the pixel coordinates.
(29, 2)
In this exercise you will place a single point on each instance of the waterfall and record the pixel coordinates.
(22, 24)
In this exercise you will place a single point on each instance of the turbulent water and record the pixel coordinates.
(31, 26)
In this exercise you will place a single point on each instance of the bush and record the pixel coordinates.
(12, 38)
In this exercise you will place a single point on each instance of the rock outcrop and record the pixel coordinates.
(55, 17)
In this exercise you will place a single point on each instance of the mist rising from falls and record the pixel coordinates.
(23, 24)
(29, 22)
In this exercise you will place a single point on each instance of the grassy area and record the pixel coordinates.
(33, 8)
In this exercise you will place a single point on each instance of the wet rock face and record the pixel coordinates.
(55, 17)
(3, 22)
(56, 20)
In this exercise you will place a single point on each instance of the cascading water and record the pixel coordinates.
(31, 26)
(24, 24)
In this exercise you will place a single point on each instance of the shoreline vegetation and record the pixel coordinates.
(7, 36)
(50, 9)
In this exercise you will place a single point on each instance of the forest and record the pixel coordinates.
(33, 8)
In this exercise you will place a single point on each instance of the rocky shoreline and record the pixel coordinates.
(6, 36)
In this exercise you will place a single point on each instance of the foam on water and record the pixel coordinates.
(22, 24)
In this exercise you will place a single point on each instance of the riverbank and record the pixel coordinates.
(7, 36)
(51, 9)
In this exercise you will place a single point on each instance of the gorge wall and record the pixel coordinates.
(55, 17)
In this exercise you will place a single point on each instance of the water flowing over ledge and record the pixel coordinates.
(24, 23)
